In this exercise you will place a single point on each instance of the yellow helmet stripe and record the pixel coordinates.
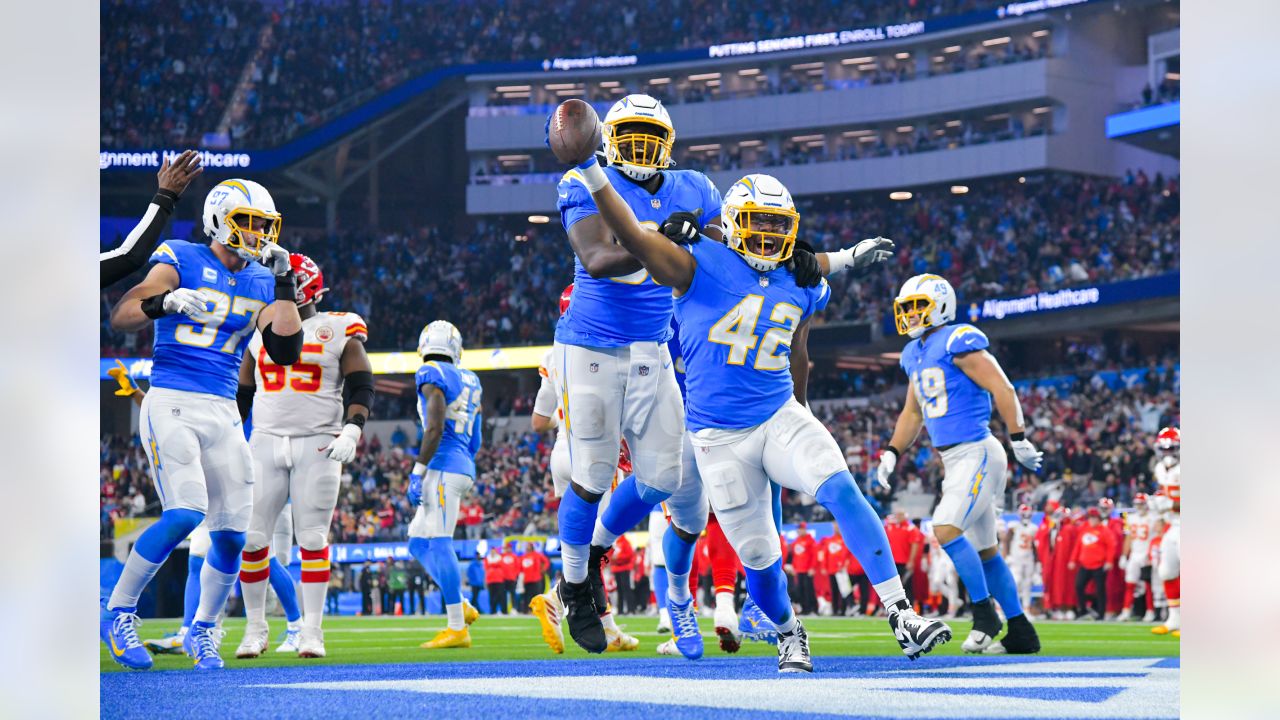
(238, 186)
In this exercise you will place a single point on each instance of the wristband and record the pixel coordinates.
(153, 307)
(419, 469)
(165, 199)
(894, 450)
(1017, 436)
(593, 175)
(287, 287)
(840, 259)
(357, 420)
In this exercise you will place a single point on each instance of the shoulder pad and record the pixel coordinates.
(966, 338)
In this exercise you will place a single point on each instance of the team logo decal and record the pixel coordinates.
(656, 203)
(324, 333)
(594, 367)
(644, 370)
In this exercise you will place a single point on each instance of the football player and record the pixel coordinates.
(613, 368)
(1137, 558)
(548, 413)
(1168, 473)
(1020, 548)
(739, 308)
(952, 381)
(205, 302)
(115, 265)
(302, 433)
(449, 404)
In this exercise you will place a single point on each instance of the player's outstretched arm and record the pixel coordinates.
(668, 263)
(114, 265)
(905, 431)
(600, 256)
(280, 323)
(147, 301)
(857, 258)
(982, 368)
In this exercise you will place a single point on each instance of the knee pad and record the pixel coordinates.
(160, 539)
(650, 495)
(255, 539)
(224, 550)
(586, 415)
(726, 486)
(759, 552)
(419, 546)
(312, 538)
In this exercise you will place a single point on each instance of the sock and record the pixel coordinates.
(449, 576)
(218, 576)
(768, 587)
(969, 568)
(1173, 592)
(453, 611)
(282, 583)
(1002, 586)
(420, 549)
(724, 599)
(1129, 590)
(149, 553)
(255, 568)
(891, 593)
(315, 585)
(863, 532)
(678, 588)
(775, 492)
(679, 555)
(191, 598)
(631, 502)
(573, 559)
(724, 561)
(608, 622)
(660, 586)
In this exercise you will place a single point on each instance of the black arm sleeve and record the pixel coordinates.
(244, 400)
(117, 264)
(359, 387)
(283, 349)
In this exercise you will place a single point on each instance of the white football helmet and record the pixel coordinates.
(638, 136)
(760, 221)
(925, 301)
(241, 215)
(441, 338)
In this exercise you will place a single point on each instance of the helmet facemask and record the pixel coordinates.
(912, 314)
(248, 229)
(639, 147)
(765, 237)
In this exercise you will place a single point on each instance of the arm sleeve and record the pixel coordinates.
(573, 201)
(545, 402)
(477, 434)
(116, 264)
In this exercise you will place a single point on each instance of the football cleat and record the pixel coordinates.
(726, 623)
(550, 612)
(917, 635)
(311, 643)
(203, 643)
(684, 620)
(292, 636)
(119, 630)
(447, 638)
(669, 648)
(1176, 633)
(986, 625)
(580, 611)
(755, 624)
(255, 641)
(170, 644)
(1021, 639)
(1160, 630)
(469, 613)
(664, 621)
(793, 651)
(619, 641)
(1149, 616)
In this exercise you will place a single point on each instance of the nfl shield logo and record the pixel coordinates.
(644, 370)
(656, 203)
(594, 367)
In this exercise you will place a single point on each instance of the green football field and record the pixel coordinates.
(365, 640)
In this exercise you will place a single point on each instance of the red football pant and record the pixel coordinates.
(724, 561)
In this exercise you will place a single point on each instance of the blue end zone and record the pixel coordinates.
(942, 687)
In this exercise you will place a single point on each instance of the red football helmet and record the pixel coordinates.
(1024, 510)
(565, 296)
(1140, 501)
(1170, 438)
(1106, 505)
(310, 280)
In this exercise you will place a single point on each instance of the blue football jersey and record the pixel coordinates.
(612, 312)
(736, 325)
(677, 359)
(202, 354)
(955, 408)
(461, 437)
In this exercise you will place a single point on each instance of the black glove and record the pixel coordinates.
(680, 227)
(804, 265)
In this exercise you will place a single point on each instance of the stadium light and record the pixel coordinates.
(805, 138)
(951, 49)
(903, 55)
(954, 123)
(1040, 33)
(746, 72)
(1041, 110)
(857, 60)
(808, 66)
(704, 76)
(959, 189)
(609, 83)
(539, 219)
(996, 41)
(659, 81)
(938, 58)
(513, 88)
(1173, 76)
(704, 148)
(562, 86)
(906, 128)
(900, 195)
(1022, 180)
(868, 67)
(751, 143)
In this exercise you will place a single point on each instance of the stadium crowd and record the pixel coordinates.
(1004, 237)
(314, 58)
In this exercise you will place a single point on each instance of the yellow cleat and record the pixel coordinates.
(469, 613)
(545, 607)
(449, 639)
(1160, 630)
(1177, 634)
(620, 641)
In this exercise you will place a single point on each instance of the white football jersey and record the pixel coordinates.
(1169, 478)
(1138, 527)
(547, 401)
(1022, 542)
(305, 398)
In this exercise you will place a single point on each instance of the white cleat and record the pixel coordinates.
(793, 651)
(254, 642)
(917, 635)
(669, 648)
(311, 643)
(664, 622)
(1149, 616)
(292, 637)
(170, 644)
(726, 621)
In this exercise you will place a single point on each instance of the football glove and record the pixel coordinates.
(888, 461)
(870, 252)
(121, 375)
(1027, 454)
(275, 258)
(680, 227)
(804, 265)
(186, 301)
(343, 447)
(415, 484)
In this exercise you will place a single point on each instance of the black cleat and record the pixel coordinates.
(917, 635)
(595, 576)
(583, 620)
(986, 626)
(1021, 639)
(793, 651)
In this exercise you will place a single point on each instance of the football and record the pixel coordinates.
(574, 132)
